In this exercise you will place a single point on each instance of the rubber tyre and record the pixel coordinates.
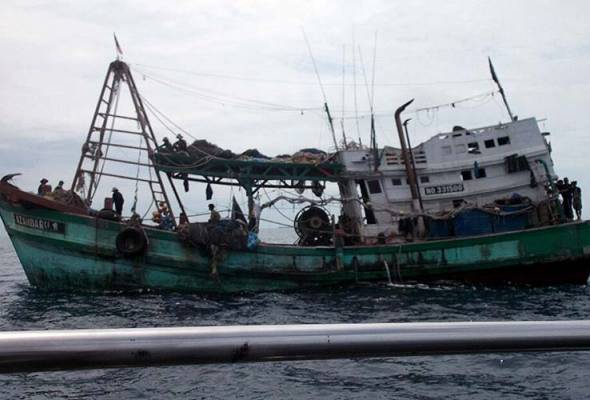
(131, 242)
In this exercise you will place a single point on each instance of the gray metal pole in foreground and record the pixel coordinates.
(103, 348)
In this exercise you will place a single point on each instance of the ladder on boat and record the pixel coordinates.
(100, 141)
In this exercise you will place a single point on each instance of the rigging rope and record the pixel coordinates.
(453, 104)
(302, 83)
(482, 97)
(223, 99)
(272, 205)
(133, 208)
(157, 113)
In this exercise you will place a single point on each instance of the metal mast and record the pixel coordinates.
(94, 153)
(500, 89)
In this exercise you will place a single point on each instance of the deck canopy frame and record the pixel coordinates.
(251, 175)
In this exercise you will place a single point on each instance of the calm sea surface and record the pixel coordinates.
(498, 376)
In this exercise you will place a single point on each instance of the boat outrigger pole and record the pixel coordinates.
(500, 89)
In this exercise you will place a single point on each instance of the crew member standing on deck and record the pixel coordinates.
(118, 200)
(214, 216)
(577, 199)
(566, 194)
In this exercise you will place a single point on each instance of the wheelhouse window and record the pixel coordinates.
(503, 141)
(515, 163)
(396, 182)
(424, 179)
(489, 143)
(374, 186)
(473, 148)
(466, 175)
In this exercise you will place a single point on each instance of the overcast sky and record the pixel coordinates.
(224, 62)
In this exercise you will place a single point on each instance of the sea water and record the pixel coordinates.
(486, 376)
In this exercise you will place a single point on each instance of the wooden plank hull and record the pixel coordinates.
(84, 257)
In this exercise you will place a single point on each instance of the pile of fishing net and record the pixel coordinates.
(202, 148)
(226, 233)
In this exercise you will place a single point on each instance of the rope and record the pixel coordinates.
(454, 103)
(301, 83)
(133, 208)
(276, 223)
(272, 205)
(223, 99)
(156, 113)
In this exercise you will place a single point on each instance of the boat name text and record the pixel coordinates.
(40, 224)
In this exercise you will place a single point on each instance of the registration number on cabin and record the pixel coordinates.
(41, 224)
(443, 189)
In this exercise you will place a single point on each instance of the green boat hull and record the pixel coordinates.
(79, 253)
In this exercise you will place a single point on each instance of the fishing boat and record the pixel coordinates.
(477, 205)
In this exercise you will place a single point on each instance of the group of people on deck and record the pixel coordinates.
(45, 189)
(571, 198)
(179, 145)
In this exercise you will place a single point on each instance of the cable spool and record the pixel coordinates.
(312, 225)
(132, 241)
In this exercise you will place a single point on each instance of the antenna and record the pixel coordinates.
(343, 95)
(373, 77)
(356, 108)
(501, 90)
(373, 135)
(330, 121)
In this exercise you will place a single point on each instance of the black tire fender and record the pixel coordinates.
(132, 241)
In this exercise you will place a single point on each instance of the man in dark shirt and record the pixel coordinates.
(214, 216)
(566, 195)
(166, 146)
(43, 188)
(180, 144)
(59, 189)
(577, 199)
(118, 200)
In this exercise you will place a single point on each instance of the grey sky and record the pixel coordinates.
(55, 55)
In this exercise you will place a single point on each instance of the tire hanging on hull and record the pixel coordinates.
(132, 241)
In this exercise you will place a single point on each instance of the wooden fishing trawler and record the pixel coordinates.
(473, 204)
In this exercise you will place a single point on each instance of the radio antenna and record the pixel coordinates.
(326, 108)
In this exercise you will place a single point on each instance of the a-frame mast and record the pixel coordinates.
(95, 149)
